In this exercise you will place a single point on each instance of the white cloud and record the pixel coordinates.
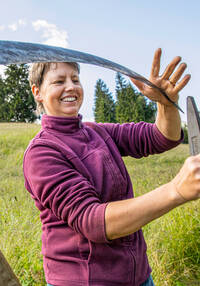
(52, 35)
(13, 27)
(22, 22)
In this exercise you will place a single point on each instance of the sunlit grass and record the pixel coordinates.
(20, 229)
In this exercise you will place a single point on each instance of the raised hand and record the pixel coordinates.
(168, 81)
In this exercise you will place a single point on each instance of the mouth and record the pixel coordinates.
(69, 99)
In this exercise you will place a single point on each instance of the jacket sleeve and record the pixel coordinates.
(54, 182)
(139, 139)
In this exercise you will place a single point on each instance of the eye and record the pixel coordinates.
(75, 80)
(58, 81)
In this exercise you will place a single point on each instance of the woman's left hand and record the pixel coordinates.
(168, 81)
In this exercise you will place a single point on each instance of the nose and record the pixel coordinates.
(69, 85)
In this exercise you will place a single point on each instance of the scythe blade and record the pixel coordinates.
(12, 52)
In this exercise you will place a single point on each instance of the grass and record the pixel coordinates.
(20, 228)
(173, 240)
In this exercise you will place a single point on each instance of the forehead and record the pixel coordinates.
(62, 67)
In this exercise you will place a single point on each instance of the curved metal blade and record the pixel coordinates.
(12, 52)
(193, 121)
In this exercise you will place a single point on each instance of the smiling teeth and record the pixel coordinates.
(69, 99)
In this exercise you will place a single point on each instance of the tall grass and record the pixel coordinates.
(173, 240)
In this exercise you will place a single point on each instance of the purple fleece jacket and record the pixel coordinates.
(72, 170)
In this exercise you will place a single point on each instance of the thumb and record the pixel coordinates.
(138, 83)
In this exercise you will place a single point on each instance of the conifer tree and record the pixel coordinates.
(132, 106)
(104, 110)
(121, 96)
(18, 96)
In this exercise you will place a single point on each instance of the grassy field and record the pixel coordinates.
(173, 240)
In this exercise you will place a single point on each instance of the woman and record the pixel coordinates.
(75, 173)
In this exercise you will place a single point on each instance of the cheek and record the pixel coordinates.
(82, 97)
(55, 92)
(80, 91)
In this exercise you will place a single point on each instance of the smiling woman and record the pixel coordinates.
(75, 173)
(58, 83)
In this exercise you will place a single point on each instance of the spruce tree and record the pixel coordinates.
(126, 106)
(132, 106)
(18, 95)
(104, 110)
(121, 103)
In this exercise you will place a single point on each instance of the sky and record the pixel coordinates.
(124, 31)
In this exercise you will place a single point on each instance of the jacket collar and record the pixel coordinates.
(61, 124)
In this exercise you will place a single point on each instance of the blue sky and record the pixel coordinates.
(126, 31)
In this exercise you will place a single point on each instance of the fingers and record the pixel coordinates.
(178, 73)
(174, 76)
(169, 71)
(182, 83)
(138, 83)
(155, 69)
(187, 181)
(169, 81)
(171, 67)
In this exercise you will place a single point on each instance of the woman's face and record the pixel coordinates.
(61, 92)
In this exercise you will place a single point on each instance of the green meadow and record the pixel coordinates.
(173, 240)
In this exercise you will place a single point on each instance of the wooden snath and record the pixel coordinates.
(7, 276)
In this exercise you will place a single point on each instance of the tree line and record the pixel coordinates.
(129, 105)
(17, 103)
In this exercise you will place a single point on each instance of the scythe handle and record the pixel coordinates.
(7, 276)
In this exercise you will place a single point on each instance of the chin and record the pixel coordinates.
(65, 114)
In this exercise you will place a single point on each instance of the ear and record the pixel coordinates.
(36, 93)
